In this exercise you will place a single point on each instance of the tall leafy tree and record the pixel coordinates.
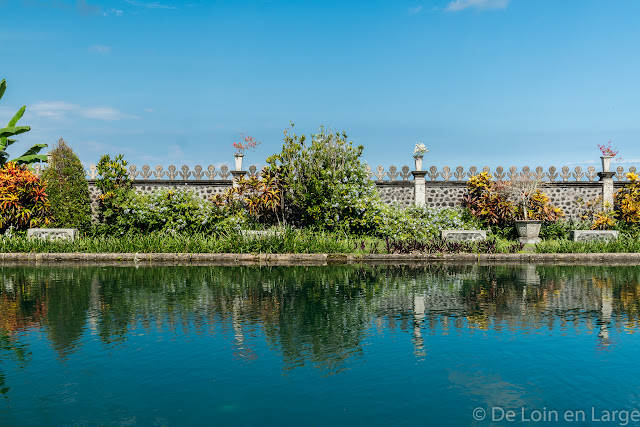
(67, 188)
(31, 156)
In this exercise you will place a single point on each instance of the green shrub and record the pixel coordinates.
(115, 185)
(169, 211)
(67, 188)
(172, 211)
(325, 184)
(414, 222)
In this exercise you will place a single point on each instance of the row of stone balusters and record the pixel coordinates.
(172, 173)
(564, 174)
(433, 174)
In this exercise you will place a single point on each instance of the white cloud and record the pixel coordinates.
(103, 50)
(415, 10)
(115, 12)
(149, 110)
(60, 110)
(55, 110)
(458, 5)
(105, 113)
(150, 5)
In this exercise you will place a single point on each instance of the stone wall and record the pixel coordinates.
(396, 192)
(443, 187)
(204, 189)
(566, 195)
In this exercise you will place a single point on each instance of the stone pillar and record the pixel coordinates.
(419, 188)
(607, 188)
(236, 175)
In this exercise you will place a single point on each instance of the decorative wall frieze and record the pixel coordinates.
(432, 173)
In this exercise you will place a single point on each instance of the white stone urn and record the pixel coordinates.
(239, 158)
(528, 230)
(606, 163)
(418, 160)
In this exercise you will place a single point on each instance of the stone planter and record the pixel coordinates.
(591, 235)
(418, 160)
(528, 231)
(606, 163)
(238, 158)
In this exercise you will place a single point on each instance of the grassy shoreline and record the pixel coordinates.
(299, 242)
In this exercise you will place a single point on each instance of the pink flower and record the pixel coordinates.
(249, 144)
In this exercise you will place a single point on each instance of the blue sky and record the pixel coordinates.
(480, 82)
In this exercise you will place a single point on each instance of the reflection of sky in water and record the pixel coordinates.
(349, 345)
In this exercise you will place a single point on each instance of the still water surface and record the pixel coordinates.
(318, 345)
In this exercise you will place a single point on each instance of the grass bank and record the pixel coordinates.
(291, 241)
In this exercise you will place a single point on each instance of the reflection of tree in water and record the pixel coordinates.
(10, 349)
(313, 315)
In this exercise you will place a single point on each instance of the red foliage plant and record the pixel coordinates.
(23, 200)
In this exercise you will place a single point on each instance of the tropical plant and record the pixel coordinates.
(539, 208)
(522, 190)
(67, 188)
(260, 197)
(31, 156)
(498, 203)
(23, 200)
(486, 202)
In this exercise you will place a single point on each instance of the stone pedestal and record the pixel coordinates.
(463, 235)
(53, 233)
(419, 188)
(590, 235)
(607, 188)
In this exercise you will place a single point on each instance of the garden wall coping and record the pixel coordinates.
(320, 259)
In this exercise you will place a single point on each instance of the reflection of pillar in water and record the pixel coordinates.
(523, 303)
(237, 326)
(418, 317)
(605, 312)
(243, 351)
(529, 275)
(94, 305)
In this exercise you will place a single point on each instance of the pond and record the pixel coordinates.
(345, 345)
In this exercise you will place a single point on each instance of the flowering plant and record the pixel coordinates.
(606, 149)
(247, 143)
(420, 150)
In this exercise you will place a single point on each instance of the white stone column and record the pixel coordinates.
(236, 175)
(607, 188)
(419, 188)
